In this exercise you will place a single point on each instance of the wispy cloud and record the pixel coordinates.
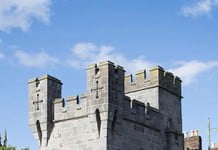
(39, 60)
(189, 71)
(200, 8)
(84, 54)
(20, 13)
(87, 53)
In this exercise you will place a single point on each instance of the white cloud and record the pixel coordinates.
(201, 7)
(188, 71)
(39, 60)
(20, 13)
(88, 53)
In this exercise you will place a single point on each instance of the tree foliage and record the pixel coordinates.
(12, 148)
(8, 148)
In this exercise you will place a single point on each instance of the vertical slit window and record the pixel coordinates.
(98, 121)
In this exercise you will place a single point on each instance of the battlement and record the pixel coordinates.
(74, 107)
(141, 113)
(49, 77)
(191, 134)
(144, 109)
(192, 140)
(106, 75)
(104, 69)
(157, 77)
(104, 64)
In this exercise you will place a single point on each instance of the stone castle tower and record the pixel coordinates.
(115, 113)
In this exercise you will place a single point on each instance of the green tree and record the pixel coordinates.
(8, 148)
(12, 148)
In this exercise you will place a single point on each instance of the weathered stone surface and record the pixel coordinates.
(115, 113)
(193, 141)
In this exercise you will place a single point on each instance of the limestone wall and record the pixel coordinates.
(115, 112)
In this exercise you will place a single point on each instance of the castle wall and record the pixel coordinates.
(146, 96)
(142, 127)
(75, 127)
(42, 93)
(115, 113)
(136, 130)
(170, 106)
(76, 134)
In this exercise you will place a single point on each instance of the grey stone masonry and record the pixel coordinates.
(115, 112)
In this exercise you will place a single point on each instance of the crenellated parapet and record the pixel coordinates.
(115, 111)
(193, 140)
(103, 77)
(158, 77)
(74, 107)
(107, 79)
(141, 113)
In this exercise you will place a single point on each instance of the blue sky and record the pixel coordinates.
(60, 37)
